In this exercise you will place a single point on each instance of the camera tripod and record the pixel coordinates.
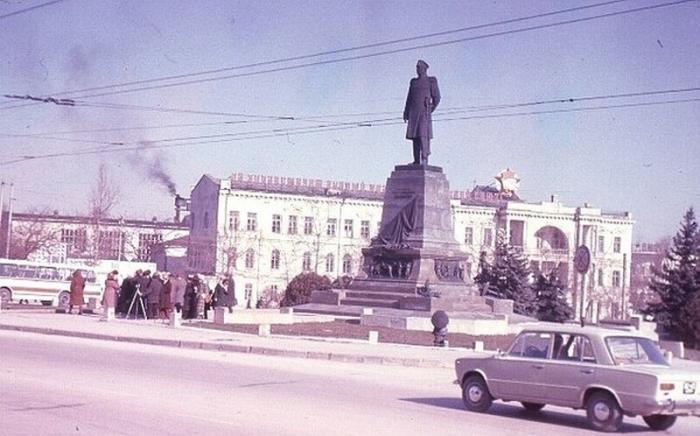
(140, 304)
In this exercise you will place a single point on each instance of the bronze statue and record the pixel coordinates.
(423, 97)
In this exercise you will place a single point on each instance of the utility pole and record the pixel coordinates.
(2, 206)
(9, 221)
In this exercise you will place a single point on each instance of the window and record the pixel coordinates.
(275, 259)
(330, 263)
(146, 241)
(234, 221)
(616, 279)
(617, 244)
(348, 228)
(252, 223)
(308, 225)
(600, 278)
(248, 291)
(364, 229)
(206, 220)
(347, 264)
(531, 345)
(572, 348)
(74, 239)
(488, 237)
(276, 223)
(601, 244)
(634, 350)
(306, 262)
(330, 226)
(111, 244)
(469, 236)
(250, 259)
(292, 228)
(192, 220)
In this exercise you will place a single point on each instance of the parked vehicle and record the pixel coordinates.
(607, 372)
(39, 281)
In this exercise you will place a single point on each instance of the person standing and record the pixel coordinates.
(178, 292)
(423, 97)
(152, 293)
(165, 297)
(225, 296)
(109, 298)
(77, 288)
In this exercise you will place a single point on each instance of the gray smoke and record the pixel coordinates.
(151, 166)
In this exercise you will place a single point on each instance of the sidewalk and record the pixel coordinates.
(156, 333)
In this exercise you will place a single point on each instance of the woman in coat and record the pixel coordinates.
(77, 287)
(109, 299)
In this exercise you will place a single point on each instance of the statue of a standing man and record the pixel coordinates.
(423, 98)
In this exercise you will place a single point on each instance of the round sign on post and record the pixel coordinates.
(582, 259)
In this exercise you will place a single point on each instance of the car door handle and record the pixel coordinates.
(587, 371)
(538, 366)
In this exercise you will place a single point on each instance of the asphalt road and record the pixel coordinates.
(55, 385)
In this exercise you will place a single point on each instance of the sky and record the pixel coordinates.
(594, 104)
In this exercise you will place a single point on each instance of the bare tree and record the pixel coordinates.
(31, 235)
(104, 196)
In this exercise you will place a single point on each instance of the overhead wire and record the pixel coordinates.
(337, 51)
(30, 8)
(162, 144)
(371, 55)
(322, 118)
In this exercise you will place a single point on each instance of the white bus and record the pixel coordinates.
(45, 282)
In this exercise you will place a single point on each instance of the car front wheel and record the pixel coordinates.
(476, 395)
(659, 422)
(603, 412)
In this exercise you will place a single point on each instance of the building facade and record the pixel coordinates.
(267, 229)
(66, 238)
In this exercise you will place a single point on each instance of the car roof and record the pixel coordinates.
(589, 330)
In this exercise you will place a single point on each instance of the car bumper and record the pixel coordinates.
(671, 407)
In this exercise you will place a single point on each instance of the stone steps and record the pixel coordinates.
(364, 295)
(370, 302)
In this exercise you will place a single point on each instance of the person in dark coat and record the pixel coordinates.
(225, 295)
(189, 310)
(423, 97)
(126, 294)
(152, 294)
(177, 294)
(166, 304)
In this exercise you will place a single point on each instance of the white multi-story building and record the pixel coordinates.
(267, 229)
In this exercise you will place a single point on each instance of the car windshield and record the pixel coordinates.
(627, 350)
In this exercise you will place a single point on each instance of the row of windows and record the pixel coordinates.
(486, 236)
(616, 279)
(617, 244)
(234, 224)
(111, 243)
(306, 261)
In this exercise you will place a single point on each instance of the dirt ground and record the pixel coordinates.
(353, 330)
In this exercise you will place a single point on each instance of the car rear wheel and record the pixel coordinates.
(659, 422)
(5, 297)
(603, 412)
(475, 394)
(532, 407)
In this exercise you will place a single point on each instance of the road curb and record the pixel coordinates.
(235, 348)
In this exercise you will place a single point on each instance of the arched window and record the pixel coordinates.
(275, 259)
(306, 262)
(347, 264)
(250, 259)
(330, 263)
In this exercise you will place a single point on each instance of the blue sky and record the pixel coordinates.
(642, 159)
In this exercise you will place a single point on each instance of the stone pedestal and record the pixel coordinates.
(416, 259)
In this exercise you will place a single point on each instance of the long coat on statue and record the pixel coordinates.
(423, 97)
